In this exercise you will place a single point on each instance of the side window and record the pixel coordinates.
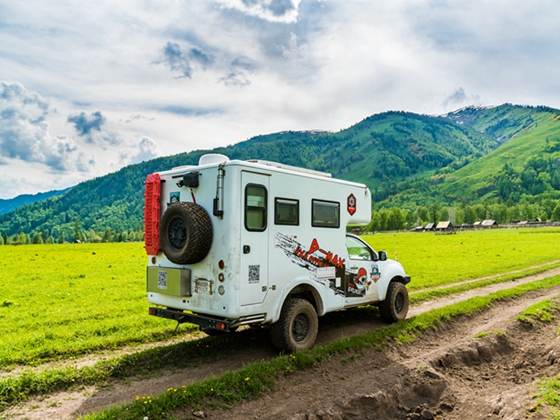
(255, 208)
(325, 214)
(286, 211)
(358, 250)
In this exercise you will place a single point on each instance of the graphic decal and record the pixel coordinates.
(324, 266)
(174, 197)
(359, 283)
(351, 204)
(327, 268)
(375, 274)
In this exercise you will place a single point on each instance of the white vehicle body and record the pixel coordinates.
(277, 232)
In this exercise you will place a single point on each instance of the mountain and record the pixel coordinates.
(21, 200)
(507, 152)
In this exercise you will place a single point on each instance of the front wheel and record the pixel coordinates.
(395, 306)
(297, 327)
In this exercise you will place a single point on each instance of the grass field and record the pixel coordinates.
(62, 301)
(435, 260)
(67, 300)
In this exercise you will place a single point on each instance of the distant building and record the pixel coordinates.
(489, 224)
(477, 225)
(418, 229)
(429, 226)
(447, 225)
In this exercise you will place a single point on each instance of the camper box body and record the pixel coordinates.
(275, 231)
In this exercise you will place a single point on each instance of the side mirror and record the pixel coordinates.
(382, 256)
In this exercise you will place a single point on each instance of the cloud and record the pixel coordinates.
(284, 11)
(460, 98)
(90, 128)
(24, 133)
(182, 61)
(138, 117)
(245, 63)
(144, 150)
(191, 112)
(235, 78)
(84, 124)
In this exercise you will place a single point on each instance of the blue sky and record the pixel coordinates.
(89, 87)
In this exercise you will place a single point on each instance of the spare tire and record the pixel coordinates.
(186, 233)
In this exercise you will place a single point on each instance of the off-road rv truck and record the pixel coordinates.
(258, 243)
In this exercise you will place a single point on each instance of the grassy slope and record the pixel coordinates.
(474, 178)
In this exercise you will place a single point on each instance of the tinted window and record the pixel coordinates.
(286, 212)
(255, 207)
(326, 214)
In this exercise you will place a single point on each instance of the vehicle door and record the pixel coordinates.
(254, 237)
(362, 272)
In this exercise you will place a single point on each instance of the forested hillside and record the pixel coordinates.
(21, 200)
(488, 156)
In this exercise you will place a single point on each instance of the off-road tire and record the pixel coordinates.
(297, 327)
(395, 306)
(186, 233)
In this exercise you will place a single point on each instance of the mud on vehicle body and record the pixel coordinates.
(258, 243)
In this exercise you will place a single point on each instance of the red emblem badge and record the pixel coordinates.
(351, 204)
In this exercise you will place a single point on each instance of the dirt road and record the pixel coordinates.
(446, 374)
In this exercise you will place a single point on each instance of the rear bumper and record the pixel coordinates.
(181, 317)
(205, 321)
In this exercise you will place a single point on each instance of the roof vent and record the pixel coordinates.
(211, 158)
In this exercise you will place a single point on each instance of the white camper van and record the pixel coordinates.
(258, 243)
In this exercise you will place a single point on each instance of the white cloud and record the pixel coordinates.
(99, 84)
(144, 150)
(285, 11)
(24, 133)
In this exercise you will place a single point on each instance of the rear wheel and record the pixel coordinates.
(297, 327)
(395, 306)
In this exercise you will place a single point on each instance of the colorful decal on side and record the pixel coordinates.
(174, 197)
(351, 204)
(360, 282)
(375, 273)
(325, 267)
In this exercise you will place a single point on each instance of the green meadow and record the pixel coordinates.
(63, 301)
(67, 300)
(435, 260)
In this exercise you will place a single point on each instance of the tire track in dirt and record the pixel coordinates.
(67, 405)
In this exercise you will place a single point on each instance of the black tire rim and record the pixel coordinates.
(399, 302)
(177, 233)
(301, 327)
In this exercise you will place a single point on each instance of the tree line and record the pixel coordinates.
(78, 235)
(395, 218)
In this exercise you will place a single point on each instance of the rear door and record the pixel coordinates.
(254, 237)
